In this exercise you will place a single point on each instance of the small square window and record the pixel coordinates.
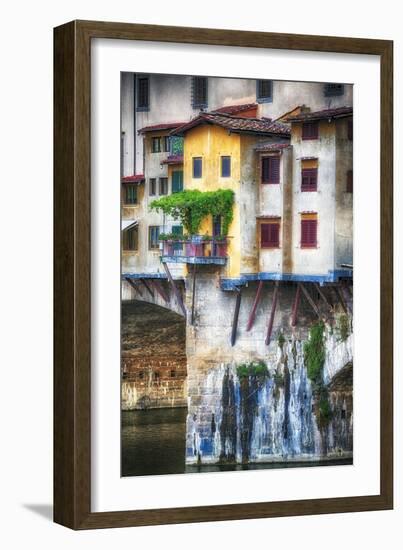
(130, 194)
(270, 170)
(310, 130)
(143, 94)
(270, 234)
(153, 186)
(197, 167)
(153, 235)
(199, 92)
(225, 167)
(264, 91)
(333, 89)
(309, 179)
(156, 145)
(163, 186)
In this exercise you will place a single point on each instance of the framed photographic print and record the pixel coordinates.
(223, 275)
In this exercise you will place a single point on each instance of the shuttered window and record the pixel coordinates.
(309, 231)
(156, 145)
(197, 167)
(165, 144)
(225, 167)
(264, 91)
(199, 92)
(143, 94)
(309, 179)
(349, 186)
(271, 170)
(177, 181)
(310, 130)
(130, 194)
(270, 234)
(153, 234)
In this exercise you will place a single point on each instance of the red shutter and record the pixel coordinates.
(310, 130)
(309, 233)
(271, 170)
(309, 179)
(270, 235)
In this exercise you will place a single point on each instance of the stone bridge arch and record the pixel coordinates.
(155, 290)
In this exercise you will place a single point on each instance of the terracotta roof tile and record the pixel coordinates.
(233, 109)
(160, 127)
(173, 159)
(236, 124)
(272, 146)
(135, 178)
(339, 112)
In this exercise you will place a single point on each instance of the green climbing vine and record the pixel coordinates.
(254, 368)
(314, 353)
(191, 206)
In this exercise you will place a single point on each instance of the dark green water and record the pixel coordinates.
(153, 443)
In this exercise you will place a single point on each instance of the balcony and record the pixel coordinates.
(195, 250)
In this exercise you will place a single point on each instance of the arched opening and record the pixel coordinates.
(153, 389)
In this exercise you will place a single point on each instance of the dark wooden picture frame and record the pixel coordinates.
(72, 269)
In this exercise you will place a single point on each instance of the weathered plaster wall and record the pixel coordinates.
(127, 123)
(317, 260)
(344, 201)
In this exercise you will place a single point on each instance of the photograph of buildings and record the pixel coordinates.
(236, 274)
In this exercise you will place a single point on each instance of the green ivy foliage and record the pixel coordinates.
(314, 353)
(191, 206)
(255, 368)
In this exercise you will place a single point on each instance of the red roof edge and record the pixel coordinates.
(135, 178)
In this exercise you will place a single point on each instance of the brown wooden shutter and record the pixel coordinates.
(270, 234)
(271, 170)
(310, 130)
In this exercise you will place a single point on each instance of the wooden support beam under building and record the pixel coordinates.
(193, 294)
(323, 296)
(134, 286)
(147, 287)
(272, 314)
(258, 297)
(175, 289)
(341, 299)
(236, 316)
(310, 300)
(159, 288)
(294, 311)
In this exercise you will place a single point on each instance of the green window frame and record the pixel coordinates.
(130, 194)
(177, 181)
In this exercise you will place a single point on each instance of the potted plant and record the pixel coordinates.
(221, 245)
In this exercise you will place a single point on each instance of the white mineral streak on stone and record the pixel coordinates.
(284, 426)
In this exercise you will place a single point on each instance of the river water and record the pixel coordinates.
(153, 443)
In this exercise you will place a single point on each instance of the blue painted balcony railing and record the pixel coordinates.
(195, 251)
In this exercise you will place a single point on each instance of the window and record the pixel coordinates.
(131, 238)
(197, 167)
(309, 230)
(271, 170)
(349, 186)
(178, 231)
(350, 129)
(173, 374)
(332, 90)
(156, 145)
(165, 144)
(130, 194)
(199, 92)
(310, 130)
(270, 234)
(143, 93)
(163, 186)
(177, 181)
(309, 179)
(225, 167)
(153, 186)
(153, 234)
(264, 91)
